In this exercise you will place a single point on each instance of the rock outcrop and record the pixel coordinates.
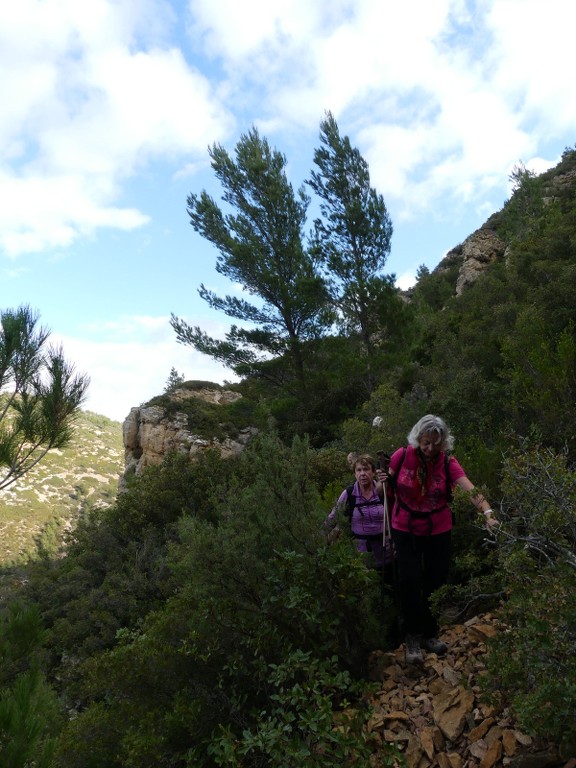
(483, 247)
(473, 256)
(152, 431)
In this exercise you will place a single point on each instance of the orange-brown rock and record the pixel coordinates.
(434, 713)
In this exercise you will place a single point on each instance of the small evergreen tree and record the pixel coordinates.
(261, 249)
(174, 380)
(40, 394)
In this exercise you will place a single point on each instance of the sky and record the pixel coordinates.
(109, 108)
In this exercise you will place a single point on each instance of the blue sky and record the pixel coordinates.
(109, 106)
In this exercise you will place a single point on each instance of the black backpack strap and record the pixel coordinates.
(392, 480)
(448, 483)
(350, 501)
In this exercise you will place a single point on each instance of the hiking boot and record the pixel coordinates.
(433, 645)
(412, 650)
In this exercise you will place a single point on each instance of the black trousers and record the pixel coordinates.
(423, 566)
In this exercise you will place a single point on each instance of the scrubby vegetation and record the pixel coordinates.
(203, 620)
(62, 488)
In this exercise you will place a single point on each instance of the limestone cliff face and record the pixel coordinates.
(473, 256)
(151, 431)
(483, 247)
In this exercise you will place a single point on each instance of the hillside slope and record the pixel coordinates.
(61, 487)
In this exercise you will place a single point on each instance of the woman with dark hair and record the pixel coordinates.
(423, 475)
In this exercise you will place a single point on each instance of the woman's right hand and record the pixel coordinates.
(381, 475)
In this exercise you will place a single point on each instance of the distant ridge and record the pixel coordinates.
(46, 501)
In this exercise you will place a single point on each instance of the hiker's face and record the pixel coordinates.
(364, 474)
(429, 444)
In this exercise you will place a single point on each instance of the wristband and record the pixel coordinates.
(488, 512)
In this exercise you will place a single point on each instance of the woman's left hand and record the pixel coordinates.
(491, 522)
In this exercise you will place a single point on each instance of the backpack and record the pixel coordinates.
(351, 505)
(351, 502)
(449, 496)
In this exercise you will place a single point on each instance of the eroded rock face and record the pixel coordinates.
(484, 247)
(474, 255)
(149, 432)
(479, 250)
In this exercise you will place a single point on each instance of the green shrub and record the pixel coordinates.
(308, 721)
(532, 665)
(252, 585)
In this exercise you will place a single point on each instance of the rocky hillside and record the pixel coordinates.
(436, 714)
(485, 245)
(193, 417)
(52, 495)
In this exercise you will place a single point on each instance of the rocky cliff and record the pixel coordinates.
(474, 255)
(168, 424)
(485, 246)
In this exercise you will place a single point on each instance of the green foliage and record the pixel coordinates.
(42, 394)
(116, 569)
(20, 634)
(60, 489)
(301, 291)
(397, 415)
(209, 420)
(541, 371)
(433, 289)
(353, 242)
(30, 714)
(203, 620)
(523, 212)
(250, 584)
(532, 664)
(299, 726)
(329, 466)
(174, 380)
(476, 583)
(260, 247)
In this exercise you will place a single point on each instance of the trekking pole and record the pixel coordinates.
(387, 534)
(383, 464)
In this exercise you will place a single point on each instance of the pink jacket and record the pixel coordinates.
(423, 512)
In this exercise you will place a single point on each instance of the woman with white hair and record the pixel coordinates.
(423, 475)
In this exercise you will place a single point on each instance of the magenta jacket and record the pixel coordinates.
(427, 514)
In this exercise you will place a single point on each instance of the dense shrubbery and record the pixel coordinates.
(207, 623)
(533, 663)
(203, 620)
(177, 612)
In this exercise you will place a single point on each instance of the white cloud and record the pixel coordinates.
(86, 103)
(440, 100)
(406, 280)
(131, 360)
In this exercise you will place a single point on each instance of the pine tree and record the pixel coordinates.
(261, 249)
(352, 237)
(40, 394)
